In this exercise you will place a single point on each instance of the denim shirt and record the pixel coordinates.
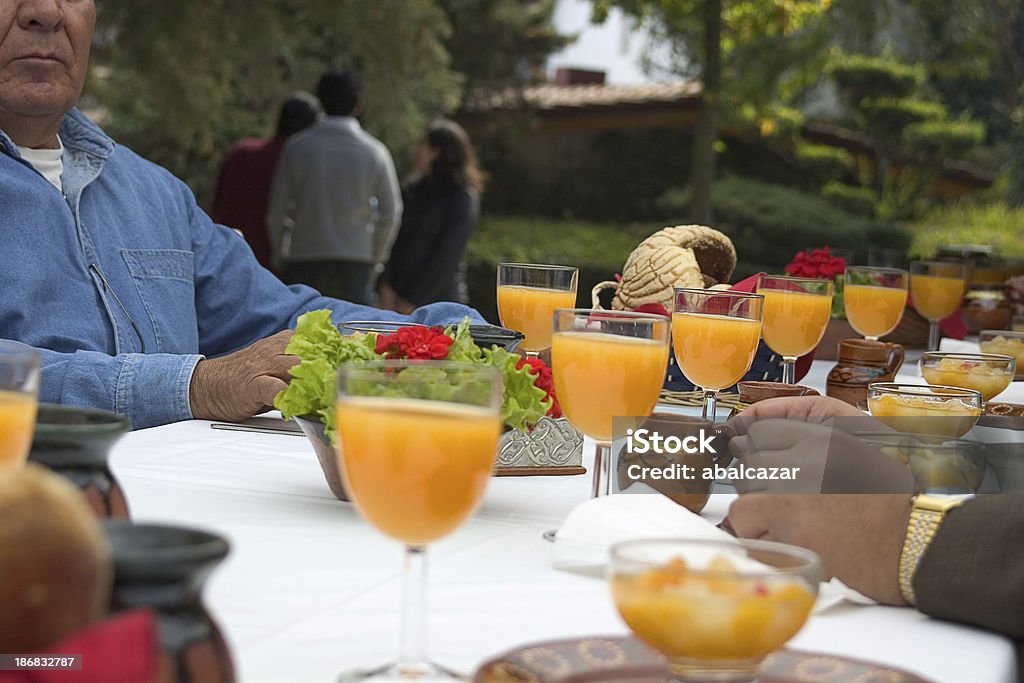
(123, 283)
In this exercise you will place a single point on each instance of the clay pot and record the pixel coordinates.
(987, 307)
(692, 493)
(75, 443)
(862, 362)
(752, 392)
(164, 568)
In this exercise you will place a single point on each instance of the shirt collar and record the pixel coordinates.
(78, 132)
(346, 122)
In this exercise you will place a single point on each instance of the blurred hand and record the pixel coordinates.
(242, 384)
(859, 537)
(391, 300)
(802, 406)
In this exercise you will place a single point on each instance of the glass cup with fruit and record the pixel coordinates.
(944, 411)
(1004, 343)
(19, 390)
(874, 299)
(940, 466)
(417, 443)
(607, 364)
(936, 288)
(529, 294)
(715, 335)
(715, 609)
(796, 313)
(988, 373)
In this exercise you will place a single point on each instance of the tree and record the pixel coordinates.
(181, 81)
(740, 49)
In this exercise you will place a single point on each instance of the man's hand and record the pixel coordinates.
(242, 384)
(859, 537)
(802, 407)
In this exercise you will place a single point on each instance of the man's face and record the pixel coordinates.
(44, 56)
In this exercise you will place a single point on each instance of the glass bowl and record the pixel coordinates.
(925, 409)
(939, 466)
(1006, 343)
(715, 609)
(988, 373)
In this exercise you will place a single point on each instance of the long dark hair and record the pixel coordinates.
(455, 165)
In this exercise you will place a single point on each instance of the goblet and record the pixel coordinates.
(796, 313)
(936, 288)
(417, 443)
(874, 299)
(607, 364)
(19, 396)
(715, 609)
(529, 294)
(715, 335)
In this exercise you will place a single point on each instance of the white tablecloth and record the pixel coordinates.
(310, 590)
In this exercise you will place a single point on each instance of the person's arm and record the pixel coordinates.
(438, 264)
(389, 202)
(279, 205)
(149, 389)
(973, 569)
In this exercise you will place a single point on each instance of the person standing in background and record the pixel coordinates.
(335, 203)
(442, 206)
(243, 185)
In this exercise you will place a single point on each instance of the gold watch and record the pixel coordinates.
(926, 515)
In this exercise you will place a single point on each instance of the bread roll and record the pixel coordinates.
(55, 566)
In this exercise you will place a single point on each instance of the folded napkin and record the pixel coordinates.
(583, 542)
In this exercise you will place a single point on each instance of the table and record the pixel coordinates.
(309, 589)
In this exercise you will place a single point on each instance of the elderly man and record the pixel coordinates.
(135, 299)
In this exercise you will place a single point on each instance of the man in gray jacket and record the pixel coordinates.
(336, 204)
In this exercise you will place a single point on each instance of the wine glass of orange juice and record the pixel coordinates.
(715, 335)
(528, 295)
(607, 364)
(19, 390)
(417, 443)
(796, 313)
(936, 288)
(874, 299)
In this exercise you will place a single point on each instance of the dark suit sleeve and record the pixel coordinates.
(441, 261)
(973, 571)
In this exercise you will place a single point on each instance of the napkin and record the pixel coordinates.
(959, 346)
(582, 543)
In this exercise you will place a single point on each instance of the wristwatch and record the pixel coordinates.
(926, 514)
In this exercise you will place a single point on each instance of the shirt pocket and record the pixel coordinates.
(165, 280)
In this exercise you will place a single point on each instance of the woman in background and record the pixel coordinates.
(442, 206)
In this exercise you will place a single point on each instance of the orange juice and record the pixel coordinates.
(530, 310)
(936, 297)
(416, 469)
(17, 425)
(712, 616)
(599, 376)
(794, 322)
(874, 311)
(714, 351)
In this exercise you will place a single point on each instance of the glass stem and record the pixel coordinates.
(788, 370)
(602, 469)
(412, 653)
(710, 405)
(933, 335)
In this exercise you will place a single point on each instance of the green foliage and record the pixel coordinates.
(860, 201)
(887, 117)
(825, 162)
(180, 82)
(969, 223)
(942, 139)
(862, 76)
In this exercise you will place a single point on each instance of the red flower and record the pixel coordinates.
(415, 343)
(819, 263)
(544, 380)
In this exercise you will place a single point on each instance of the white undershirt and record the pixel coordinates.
(49, 162)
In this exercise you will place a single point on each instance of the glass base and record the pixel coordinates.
(392, 671)
(713, 671)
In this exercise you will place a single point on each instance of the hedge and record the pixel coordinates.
(968, 223)
(767, 223)
(886, 77)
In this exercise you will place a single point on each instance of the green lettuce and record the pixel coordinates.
(524, 402)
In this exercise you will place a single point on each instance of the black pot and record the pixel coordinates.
(165, 568)
(75, 443)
